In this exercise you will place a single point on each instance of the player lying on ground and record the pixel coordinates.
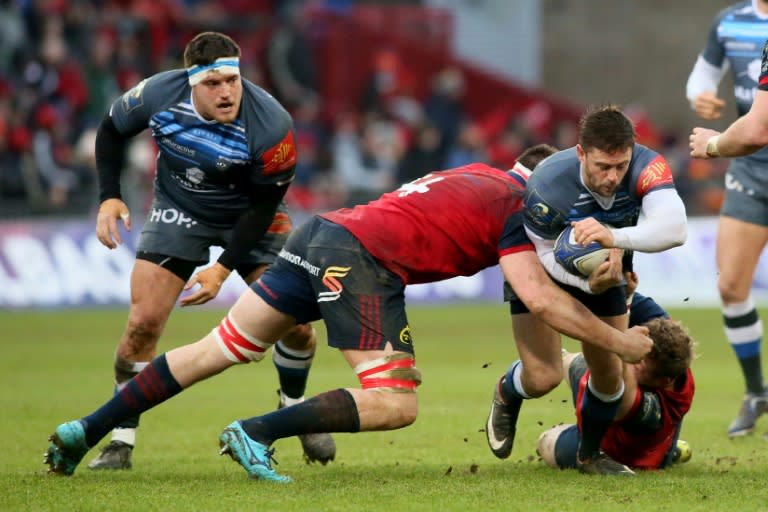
(658, 394)
(350, 267)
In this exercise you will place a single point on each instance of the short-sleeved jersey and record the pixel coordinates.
(445, 224)
(628, 442)
(555, 194)
(208, 169)
(737, 37)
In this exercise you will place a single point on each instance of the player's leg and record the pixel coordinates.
(292, 357)
(154, 291)
(244, 335)
(739, 245)
(538, 371)
(605, 386)
(557, 446)
(363, 307)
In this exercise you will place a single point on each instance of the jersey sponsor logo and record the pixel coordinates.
(744, 94)
(171, 216)
(281, 156)
(195, 175)
(297, 260)
(134, 98)
(731, 183)
(331, 281)
(655, 174)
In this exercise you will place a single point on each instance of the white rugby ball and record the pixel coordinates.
(580, 260)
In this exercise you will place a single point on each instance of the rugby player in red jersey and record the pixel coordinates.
(350, 268)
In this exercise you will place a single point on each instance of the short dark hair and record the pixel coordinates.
(606, 128)
(531, 157)
(206, 47)
(673, 347)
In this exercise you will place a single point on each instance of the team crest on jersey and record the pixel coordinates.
(331, 281)
(134, 98)
(405, 335)
(222, 164)
(195, 175)
(655, 175)
(538, 213)
(281, 156)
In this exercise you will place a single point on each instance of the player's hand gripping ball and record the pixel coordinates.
(578, 259)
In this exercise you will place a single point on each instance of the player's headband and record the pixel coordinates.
(222, 65)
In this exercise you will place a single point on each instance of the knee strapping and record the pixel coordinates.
(394, 373)
(237, 345)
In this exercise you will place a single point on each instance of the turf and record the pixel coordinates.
(56, 366)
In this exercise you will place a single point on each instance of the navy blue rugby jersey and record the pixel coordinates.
(555, 195)
(736, 38)
(204, 167)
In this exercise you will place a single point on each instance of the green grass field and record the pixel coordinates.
(56, 366)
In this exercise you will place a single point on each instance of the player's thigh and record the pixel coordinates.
(539, 348)
(154, 291)
(254, 317)
(739, 246)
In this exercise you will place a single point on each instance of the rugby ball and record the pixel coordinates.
(578, 259)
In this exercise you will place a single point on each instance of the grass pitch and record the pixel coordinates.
(57, 366)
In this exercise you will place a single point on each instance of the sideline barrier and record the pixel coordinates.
(61, 264)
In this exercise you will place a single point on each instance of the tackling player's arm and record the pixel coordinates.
(543, 298)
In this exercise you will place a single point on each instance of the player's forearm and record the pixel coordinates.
(110, 156)
(663, 225)
(745, 136)
(704, 77)
(544, 250)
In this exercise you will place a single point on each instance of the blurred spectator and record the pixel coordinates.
(423, 156)
(366, 157)
(470, 146)
(290, 58)
(444, 105)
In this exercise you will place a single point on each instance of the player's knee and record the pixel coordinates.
(300, 337)
(237, 345)
(143, 327)
(399, 409)
(542, 381)
(732, 292)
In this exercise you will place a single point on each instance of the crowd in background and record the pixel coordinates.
(62, 62)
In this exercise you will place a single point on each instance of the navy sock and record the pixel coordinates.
(596, 417)
(292, 369)
(150, 387)
(333, 411)
(508, 391)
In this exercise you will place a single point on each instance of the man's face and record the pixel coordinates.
(218, 97)
(602, 172)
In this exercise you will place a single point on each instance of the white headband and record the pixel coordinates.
(223, 65)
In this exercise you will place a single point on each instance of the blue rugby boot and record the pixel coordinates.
(67, 448)
(254, 457)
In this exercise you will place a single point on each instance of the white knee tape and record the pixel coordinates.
(237, 345)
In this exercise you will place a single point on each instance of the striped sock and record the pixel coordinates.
(744, 331)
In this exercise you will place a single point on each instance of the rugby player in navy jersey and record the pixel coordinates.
(350, 267)
(620, 194)
(734, 44)
(655, 438)
(226, 157)
(658, 394)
